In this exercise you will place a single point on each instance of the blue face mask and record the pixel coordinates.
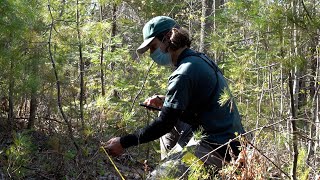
(161, 58)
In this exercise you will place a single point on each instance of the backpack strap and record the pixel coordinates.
(204, 57)
(212, 65)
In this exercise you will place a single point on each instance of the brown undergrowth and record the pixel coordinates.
(31, 154)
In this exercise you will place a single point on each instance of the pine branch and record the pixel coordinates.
(142, 87)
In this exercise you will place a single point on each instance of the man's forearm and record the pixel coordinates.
(162, 125)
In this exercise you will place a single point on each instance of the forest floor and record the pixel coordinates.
(31, 154)
(36, 155)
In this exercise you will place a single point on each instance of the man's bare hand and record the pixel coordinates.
(113, 146)
(155, 101)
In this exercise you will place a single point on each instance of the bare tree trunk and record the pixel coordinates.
(271, 93)
(272, 99)
(316, 103)
(203, 25)
(294, 90)
(294, 50)
(207, 10)
(21, 106)
(281, 90)
(114, 25)
(257, 100)
(312, 90)
(103, 91)
(81, 64)
(214, 26)
(33, 97)
(317, 121)
(282, 81)
(293, 131)
(296, 86)
(216, 8)
(33, 110)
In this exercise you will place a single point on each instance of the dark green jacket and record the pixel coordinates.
(195, 87)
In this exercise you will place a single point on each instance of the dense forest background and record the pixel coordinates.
(70, 78)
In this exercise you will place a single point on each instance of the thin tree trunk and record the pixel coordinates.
(217, 8)
(33, 97)
(59, 98)
(293, 131)
(294, 90)
(271, 93)
(281, 90)
(203, 25)
(190, 27)
(317, 121)
(113, 26)
(282, 81)
(207, 9)
(270, 84)
(81, 65)
(313, 86)
(297, 73)
(296, 86)
(103, 91)
(20, 110)
(316, 100)
(214, 9)
(257, 100)
(63, 2)
(11, 86)
(33, 110)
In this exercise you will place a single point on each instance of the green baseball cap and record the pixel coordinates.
(153, 28)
